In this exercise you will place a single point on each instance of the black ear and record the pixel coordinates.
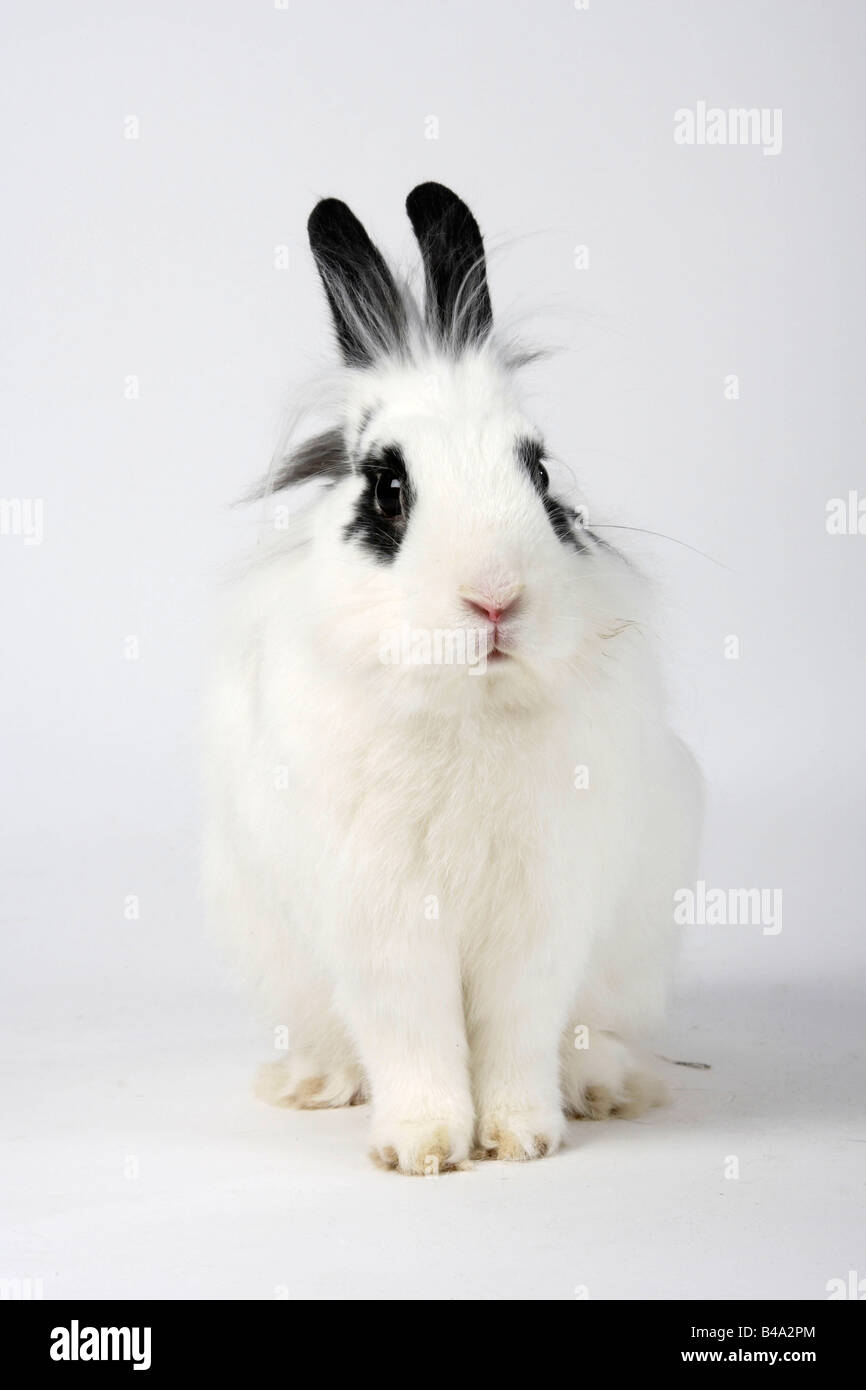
(458, 301)
(323, 456)
(368, 311)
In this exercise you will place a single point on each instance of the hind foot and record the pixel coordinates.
(297, 1081)
(608, 1078)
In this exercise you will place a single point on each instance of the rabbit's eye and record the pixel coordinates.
(530, 454)
(389, 494)
(539, 475)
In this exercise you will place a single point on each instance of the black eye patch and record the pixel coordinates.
(382, 510)
(530, 455)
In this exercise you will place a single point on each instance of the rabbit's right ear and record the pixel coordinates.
(366, 306)
(458, 300)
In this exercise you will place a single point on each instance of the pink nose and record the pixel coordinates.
(493, 607)
(494, 614)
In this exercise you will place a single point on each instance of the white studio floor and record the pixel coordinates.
(703, 307)
(137, 1164)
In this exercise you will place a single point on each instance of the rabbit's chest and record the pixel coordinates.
(474, 830)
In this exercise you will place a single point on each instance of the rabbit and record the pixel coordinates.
(448, 870)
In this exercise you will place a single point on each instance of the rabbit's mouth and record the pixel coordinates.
(502, 644)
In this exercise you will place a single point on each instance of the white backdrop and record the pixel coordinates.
(159, 306)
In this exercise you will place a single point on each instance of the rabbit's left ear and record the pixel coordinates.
(366, 306)
(458, 300)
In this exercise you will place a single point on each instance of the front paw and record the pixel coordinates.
(519, 1134)
(425, 1147)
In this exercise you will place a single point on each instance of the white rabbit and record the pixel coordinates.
(446, 816)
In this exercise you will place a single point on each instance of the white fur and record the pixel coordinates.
(351, 800)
